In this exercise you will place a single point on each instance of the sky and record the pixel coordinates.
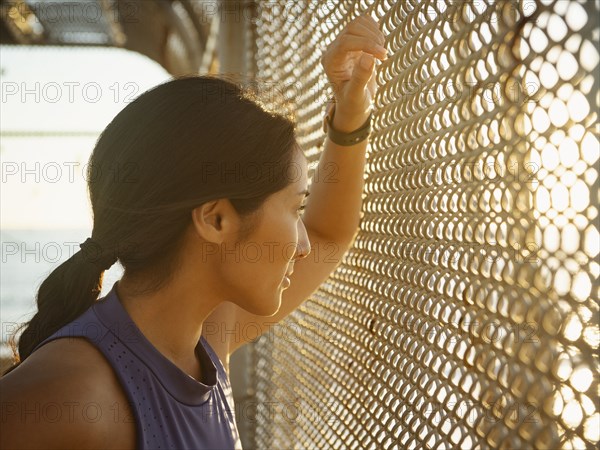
(73, 90)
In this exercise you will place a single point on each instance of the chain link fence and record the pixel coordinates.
(466, 313)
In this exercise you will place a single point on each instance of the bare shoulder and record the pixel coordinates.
(65, 394)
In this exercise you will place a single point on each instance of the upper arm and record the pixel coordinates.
(309, 273)
(64, 396)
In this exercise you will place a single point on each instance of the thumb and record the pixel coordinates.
(360, 75)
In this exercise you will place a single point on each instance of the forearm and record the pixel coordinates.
(333, 207)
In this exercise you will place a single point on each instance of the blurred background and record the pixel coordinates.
(67, 69)
(466, 314)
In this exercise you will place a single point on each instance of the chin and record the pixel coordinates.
(257, 302)
(267, 312)
(260, 304)
(266, 309)
(270, 313)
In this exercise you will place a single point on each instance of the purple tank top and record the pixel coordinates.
(171, 409)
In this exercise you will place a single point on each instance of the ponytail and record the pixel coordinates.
(64, 295)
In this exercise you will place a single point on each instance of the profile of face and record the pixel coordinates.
(252, 272)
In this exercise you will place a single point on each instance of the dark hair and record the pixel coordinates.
(185, 142)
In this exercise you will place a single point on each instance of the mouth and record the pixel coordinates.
(286, 282)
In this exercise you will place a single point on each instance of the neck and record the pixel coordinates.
(171, 319)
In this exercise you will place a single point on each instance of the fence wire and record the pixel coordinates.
(466, 313)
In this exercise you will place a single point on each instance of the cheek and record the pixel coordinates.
(277, 242)
(286, 236)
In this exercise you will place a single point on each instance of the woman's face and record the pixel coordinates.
(266, 255)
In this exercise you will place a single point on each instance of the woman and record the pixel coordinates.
(205, 247)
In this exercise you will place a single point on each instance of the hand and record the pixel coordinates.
(353, 84)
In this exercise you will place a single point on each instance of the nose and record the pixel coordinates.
(304, 248)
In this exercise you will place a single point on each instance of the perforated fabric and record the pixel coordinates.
(466, 313)
(171, 409)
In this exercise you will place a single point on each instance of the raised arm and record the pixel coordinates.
(333, 207)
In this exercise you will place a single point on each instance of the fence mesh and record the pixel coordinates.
(466, 313)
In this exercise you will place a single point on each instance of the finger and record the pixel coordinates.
(350, 42)
(372, 84)
(375, 43)
(360, 76)
(369, 22)
(362, 30)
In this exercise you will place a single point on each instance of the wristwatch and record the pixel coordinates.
(340, 138)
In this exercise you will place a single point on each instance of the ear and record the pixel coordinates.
(215, 220)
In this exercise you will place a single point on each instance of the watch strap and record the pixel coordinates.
(345, 139)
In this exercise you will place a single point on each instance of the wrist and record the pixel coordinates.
(348, 124)
(346, 121)
(350, 134)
